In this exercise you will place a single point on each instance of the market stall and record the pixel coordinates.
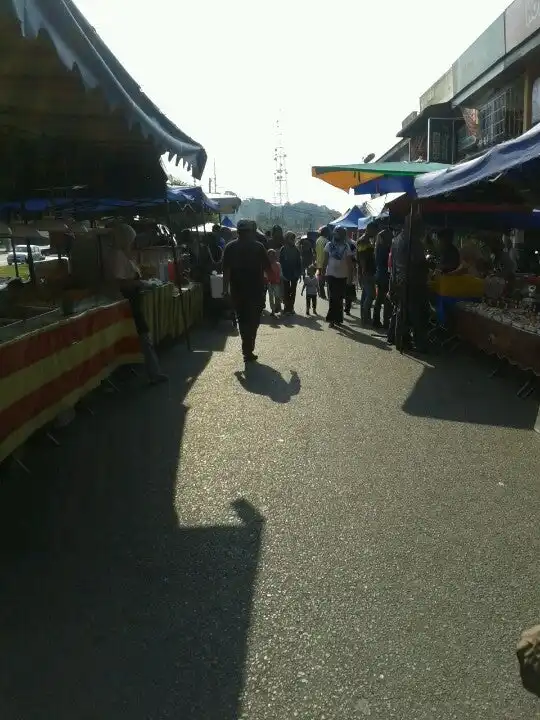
(66, 328)
(162, 307)
(49, 369)
(507, 332)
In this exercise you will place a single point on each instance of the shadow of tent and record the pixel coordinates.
(132, 638)
(459, 389)
(110, 609)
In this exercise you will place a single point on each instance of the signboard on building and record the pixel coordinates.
(439, 92)
(480, 56)
(522, 19)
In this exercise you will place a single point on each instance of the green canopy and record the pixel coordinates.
(346, 177)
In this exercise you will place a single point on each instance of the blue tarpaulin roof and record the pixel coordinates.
(441, 212)
(78, 45)
(197, 196)
(522, 153)
(349, 219)
(386, 184)
(182, 195)
(227, 222)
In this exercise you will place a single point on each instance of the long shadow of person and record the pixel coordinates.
(262, 379)
(363, 337)
(312, 322)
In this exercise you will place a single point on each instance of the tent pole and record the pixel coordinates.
(406, 289)
(178, 279)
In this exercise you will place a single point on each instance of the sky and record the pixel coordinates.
(340, 76)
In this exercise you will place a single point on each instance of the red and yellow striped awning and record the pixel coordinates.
(50, 370)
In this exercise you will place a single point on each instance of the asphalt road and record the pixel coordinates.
(341, 533)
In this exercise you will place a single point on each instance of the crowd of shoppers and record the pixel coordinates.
(391, 271)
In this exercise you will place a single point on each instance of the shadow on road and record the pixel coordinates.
(364, 338)
(261, 379)
(110, 609)
(312, 322)
(458, 388)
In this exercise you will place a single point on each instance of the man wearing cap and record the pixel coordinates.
(244, 263)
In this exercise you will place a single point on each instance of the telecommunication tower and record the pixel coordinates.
(281, 184)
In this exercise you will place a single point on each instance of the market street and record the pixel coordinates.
(341, 533)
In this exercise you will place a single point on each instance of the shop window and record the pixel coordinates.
(501, 118)
(418, 148)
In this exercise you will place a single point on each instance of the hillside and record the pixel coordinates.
(300, 216)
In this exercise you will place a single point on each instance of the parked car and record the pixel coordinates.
(21, 253)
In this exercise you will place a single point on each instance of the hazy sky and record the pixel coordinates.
(342, 74)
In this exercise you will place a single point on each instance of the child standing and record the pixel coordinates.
(273, 278)
(311, 286)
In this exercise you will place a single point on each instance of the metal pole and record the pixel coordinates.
(178, 279)
(29, 256)
(14, 257)
(405, 297)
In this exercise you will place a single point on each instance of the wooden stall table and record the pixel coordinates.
(507, 334)
(48, 371)
(162, 307)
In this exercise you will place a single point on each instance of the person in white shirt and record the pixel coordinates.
(338, 270)
(128, 277)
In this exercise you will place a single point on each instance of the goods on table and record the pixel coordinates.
(516, 316)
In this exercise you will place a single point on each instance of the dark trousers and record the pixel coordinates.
(135, 299)
(337, 287)
(322, 282)
(311, 302)
(382, 303)
(248, 314)
(412, 315)
(350, 295)
(289, 295)
(151, 361)
(367, 297)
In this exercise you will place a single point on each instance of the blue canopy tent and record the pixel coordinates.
(514, 158)
(197, 196)
(181, 195)
(386, 185)
(227, 222)
(350, 219)
(441, 213)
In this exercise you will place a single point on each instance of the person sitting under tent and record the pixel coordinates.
(448, 254)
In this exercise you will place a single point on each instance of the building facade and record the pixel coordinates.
(489, 95)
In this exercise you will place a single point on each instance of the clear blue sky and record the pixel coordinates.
(344, 74)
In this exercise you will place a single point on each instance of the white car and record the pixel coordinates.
(21, 254)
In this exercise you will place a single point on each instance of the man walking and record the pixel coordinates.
(291, 271)
(320, 245)
(245, 262)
